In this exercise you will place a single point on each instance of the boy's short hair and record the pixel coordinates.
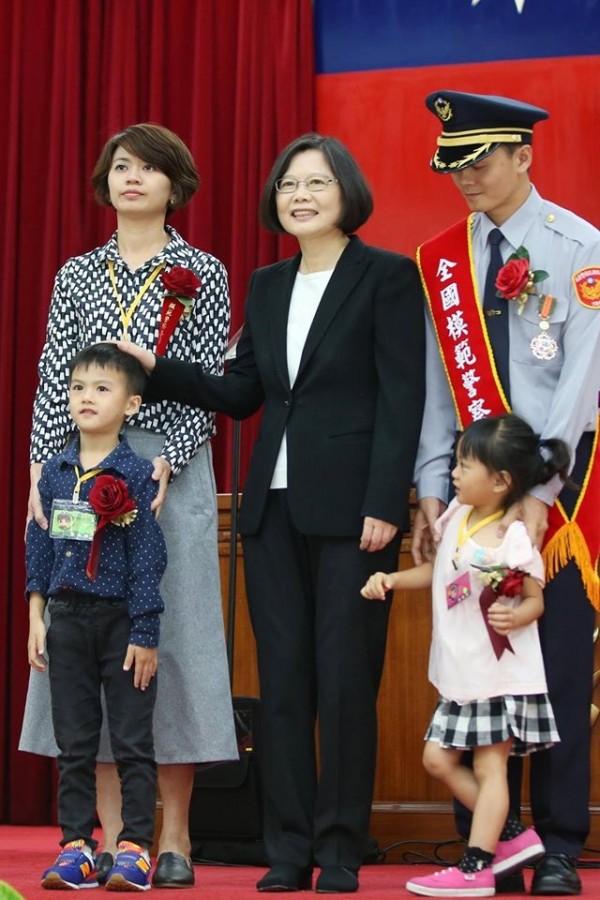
(109, 356)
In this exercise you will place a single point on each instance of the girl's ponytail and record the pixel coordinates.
(508, 443)
(555, 459)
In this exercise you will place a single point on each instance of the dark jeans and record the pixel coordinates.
(87, 643)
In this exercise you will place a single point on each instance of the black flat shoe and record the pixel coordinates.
(172, 871)
(104, 863)
(556, 876)
(337, 880)
(286, 877)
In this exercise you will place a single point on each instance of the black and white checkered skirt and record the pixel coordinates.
(528, 720)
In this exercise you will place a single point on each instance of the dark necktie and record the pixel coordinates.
(496, 311)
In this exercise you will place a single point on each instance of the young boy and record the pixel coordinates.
(98, 566)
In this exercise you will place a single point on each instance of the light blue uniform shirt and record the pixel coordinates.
(557, 397)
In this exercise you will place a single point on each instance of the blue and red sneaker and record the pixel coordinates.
(73, 869)
(131, 871)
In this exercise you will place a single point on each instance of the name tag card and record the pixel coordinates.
(72, 521)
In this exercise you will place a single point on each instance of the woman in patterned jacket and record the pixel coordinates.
(122, 290)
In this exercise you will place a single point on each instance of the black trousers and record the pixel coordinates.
(320, 649)
(87, 643)
(560, 776)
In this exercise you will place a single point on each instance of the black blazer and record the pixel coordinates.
(353, 416)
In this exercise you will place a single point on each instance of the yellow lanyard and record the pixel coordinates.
(127, 315)
(464, 533)
(80, 479)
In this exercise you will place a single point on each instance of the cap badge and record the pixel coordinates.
(443, 109)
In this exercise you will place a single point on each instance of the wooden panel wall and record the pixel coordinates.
(408, 804)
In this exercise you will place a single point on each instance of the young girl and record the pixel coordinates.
(485, 659)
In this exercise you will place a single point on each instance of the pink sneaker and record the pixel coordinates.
(454, 883)
(511, 855)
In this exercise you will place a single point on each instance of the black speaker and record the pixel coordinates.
(225, 817)
(226, 810)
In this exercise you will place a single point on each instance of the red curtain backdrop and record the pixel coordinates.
(235, 80)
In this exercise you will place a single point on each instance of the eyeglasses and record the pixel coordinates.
(313, 183)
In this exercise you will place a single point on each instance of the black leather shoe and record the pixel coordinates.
(286, 877)
(104, 862)
(556, 876)
(337, 880)
(513, 883)
(172, 871)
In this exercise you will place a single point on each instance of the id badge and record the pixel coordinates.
(458, 590)
(72, 521)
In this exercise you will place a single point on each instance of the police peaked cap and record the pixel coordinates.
(474, 125)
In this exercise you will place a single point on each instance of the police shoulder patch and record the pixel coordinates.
(587, 286)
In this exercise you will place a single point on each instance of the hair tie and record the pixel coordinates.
(543, 449)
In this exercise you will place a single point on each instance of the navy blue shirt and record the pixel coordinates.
(132, 558)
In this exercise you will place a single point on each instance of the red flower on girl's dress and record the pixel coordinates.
(512, 583)
(499, 581)
(504, 581)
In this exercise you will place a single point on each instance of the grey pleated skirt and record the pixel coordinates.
(193, 718)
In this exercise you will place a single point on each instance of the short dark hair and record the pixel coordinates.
(108, 356)
(357, 200)
(507, 443)
(158, 146)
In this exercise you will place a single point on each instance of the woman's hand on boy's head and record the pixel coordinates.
(144, 661)
(146, 358)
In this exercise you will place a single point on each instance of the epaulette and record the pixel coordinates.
(568, 224)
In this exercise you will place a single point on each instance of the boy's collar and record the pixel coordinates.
(114, 460)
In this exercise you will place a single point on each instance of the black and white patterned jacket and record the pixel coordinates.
(84, 311)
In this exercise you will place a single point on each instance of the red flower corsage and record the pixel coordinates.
(180, 286)
(110, 500)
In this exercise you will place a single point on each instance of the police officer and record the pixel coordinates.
(523, 337)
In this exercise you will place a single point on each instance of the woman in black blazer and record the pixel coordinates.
(333, 349)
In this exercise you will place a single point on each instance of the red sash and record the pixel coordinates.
(578, 537)
(448, 275)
